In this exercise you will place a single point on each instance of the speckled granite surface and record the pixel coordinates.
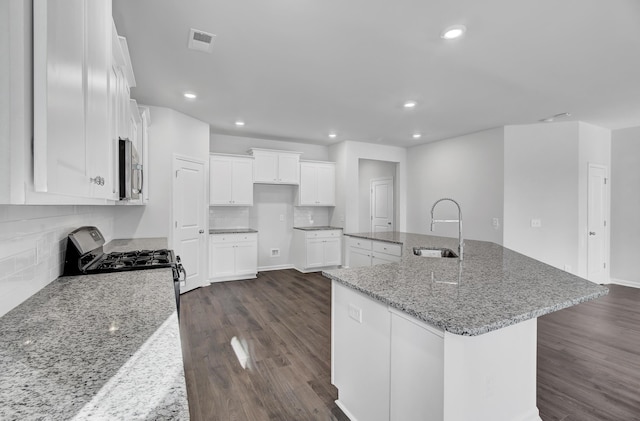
(317, 228)
(232, 231)
(95, 347)
(493, 287)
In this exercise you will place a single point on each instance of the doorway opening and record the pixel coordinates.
(377, 195)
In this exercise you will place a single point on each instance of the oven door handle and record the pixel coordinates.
(184, 272)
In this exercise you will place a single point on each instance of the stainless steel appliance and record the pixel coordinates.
(131, 175)
(85, 256)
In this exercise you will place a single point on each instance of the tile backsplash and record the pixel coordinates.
(33, 242)
(241, 217)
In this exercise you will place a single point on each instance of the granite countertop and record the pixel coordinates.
(317, 228)
(493, 287)
(104, 346)
(232, 231)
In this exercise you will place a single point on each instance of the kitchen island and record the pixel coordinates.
(440, 338)
(101, 346)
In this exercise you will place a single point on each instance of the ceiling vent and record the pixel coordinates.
(201, 41)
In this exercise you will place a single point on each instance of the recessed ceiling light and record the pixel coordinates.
(190, 95)
(410, 104)
(239, 123)
(453, 32)
(332, 135)
(417, 136)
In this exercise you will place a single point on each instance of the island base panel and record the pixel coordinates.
(491, 376)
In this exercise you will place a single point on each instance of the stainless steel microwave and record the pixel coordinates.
(130, 175)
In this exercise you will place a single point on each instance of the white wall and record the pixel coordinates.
(368, 170)
(541, 181)
(625, 206)
(468, 169)
(33, 242)
(222, 143)
(346, 155)
(170, 133)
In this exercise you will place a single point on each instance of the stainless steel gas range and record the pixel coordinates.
(85, 256)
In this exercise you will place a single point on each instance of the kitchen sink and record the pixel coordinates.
(434, 252)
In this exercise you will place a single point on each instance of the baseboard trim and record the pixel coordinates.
(274, 267)
(344, 409)
(623, 282)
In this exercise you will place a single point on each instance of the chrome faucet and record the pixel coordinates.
(459, 221)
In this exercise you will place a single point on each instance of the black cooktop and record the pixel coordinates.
(132, 260)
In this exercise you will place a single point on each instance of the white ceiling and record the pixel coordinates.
(299, 69)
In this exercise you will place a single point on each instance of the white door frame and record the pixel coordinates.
(174, 228)
(393, 203)
(605, 228)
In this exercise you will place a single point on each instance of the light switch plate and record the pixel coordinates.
(536, 223)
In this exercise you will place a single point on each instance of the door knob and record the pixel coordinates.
(388, 223)
(592, 233)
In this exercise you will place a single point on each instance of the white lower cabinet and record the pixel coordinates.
(313, 250)
(360, 354)
(362, 252)
(386, 364)
(233, 256)
(417, 369)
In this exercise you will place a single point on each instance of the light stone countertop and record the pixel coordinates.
(318, 228)
(493, 287)
(104, 346)
(232, 231)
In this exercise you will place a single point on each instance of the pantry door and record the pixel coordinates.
(189, 225)
(382, 205)
(597, 224)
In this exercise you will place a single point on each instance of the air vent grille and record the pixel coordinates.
(200, 40)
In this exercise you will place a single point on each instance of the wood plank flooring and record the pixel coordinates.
(588, 355)
(589, 360)
(283, 319)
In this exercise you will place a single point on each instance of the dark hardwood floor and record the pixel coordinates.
(589, 360)
(283, 319)
(588, 355)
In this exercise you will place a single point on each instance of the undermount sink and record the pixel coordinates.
(434, 252)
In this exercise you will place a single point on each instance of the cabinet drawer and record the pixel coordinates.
(360, 243)
(324, 234)
(388, 248)
(233, 238)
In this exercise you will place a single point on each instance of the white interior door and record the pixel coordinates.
(382, 205)
(189, 239)
(597, 224)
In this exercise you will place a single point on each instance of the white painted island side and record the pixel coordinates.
(388, 365)
(443, 339)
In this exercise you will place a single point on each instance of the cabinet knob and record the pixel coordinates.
(201, 232)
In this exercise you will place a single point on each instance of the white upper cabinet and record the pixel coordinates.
(276, 167)
(60, 147)
(82, 75)
(79, 109)
(317, 184)
(230, 180)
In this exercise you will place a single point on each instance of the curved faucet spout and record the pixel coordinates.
(459, 221)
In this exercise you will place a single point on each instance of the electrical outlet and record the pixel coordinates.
(275, 252)
(536, 223)
(355, 313)
(281, 218)
(496, 223)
